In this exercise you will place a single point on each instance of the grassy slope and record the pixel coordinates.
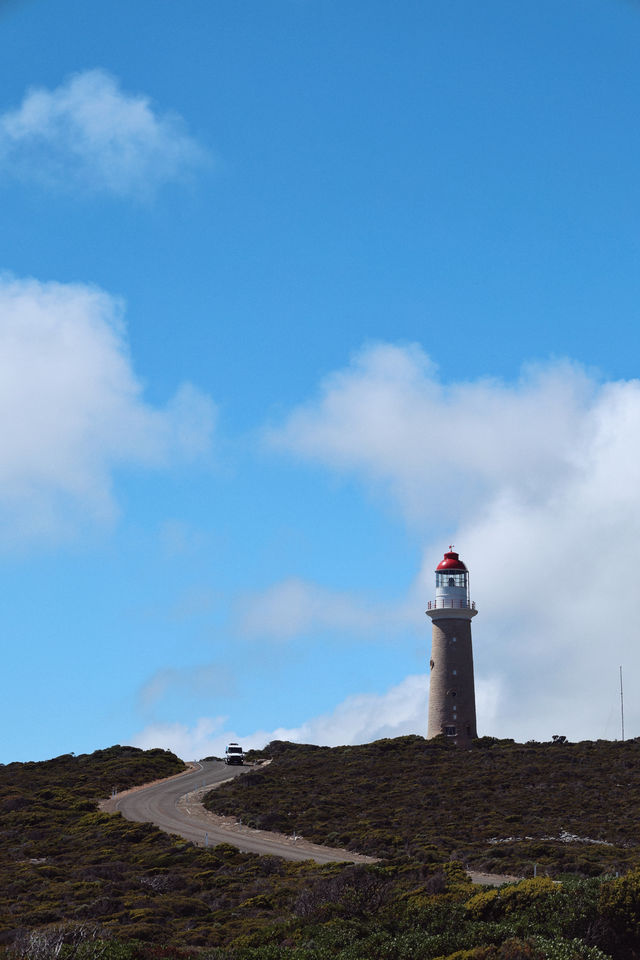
(431, 802)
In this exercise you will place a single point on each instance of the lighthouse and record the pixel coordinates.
(452, 699)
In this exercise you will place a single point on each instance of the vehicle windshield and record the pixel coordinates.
(234, 749)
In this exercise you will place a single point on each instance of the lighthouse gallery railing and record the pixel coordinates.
(450, 603)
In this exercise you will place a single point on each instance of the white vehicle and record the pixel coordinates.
(233, 754)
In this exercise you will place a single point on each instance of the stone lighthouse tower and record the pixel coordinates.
(452, 699)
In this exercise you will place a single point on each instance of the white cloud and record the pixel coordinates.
(358, 719)
(89, 134)
(539, 484)
(442, 450)
(205, 739)
(72, 410)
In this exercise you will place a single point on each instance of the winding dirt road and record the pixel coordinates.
(174, 805)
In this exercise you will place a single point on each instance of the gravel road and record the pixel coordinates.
(174, 805)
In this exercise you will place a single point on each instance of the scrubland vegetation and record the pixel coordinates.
(501, 807)
(76, 883)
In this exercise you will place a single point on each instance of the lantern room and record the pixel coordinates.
(452, 581)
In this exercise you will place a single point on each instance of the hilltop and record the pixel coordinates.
(77, 884)
(500, 807)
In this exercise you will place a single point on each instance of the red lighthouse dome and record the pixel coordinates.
(451, 561)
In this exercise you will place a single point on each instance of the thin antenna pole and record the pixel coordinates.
(621, 704)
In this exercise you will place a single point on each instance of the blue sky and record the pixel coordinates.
(292, 296)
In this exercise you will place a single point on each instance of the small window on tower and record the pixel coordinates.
(455, 673)
(450, 731)
(453, 639)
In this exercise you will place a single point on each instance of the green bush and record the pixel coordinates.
(534, 897)
(569, 950)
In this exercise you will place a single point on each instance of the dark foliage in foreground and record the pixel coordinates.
(76, 884)
(500, 807)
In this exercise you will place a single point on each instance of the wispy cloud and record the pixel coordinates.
(89, 134)
(358, 719)
(202, 680)
(72, 410)
(177, 538)
(294, 607)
